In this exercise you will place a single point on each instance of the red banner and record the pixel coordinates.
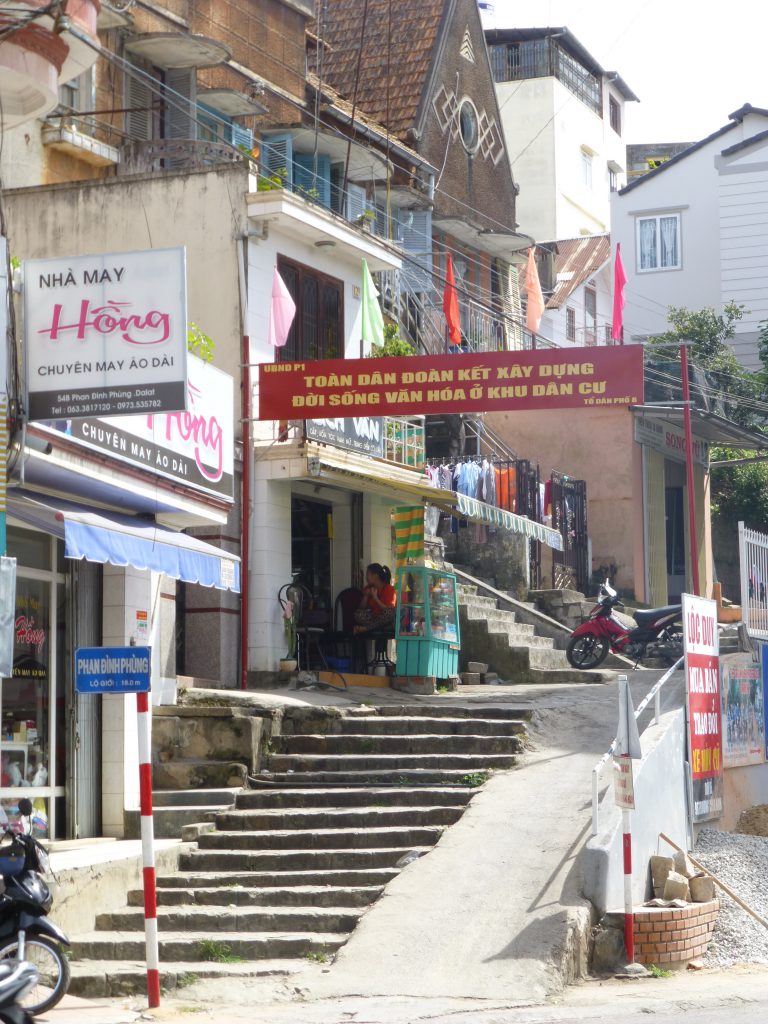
(572, 378)
(705, 730)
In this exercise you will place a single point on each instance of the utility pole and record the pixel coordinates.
(692, 539)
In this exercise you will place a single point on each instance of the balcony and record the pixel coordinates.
(175, 154)
(402, 439)
(92, 142)
(546, 58)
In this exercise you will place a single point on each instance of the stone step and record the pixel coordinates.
(477, 601)
(191, 947)
(196, 797)
(191, 774)
(337, 797)
(294, 840)
(395, 777)
(104, 979)
(328, 878)
(214, 919)
(402, 763)
(571, 675)
(446, 710)
(169, 822)
(532, 642)
(541, 657)
(228, 895)
(414, 744)
(292, 860)
(337, 817)
(402, 725)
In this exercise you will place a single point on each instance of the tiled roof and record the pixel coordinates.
(577, 260)
(414, 33)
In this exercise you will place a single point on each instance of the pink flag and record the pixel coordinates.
(535, 300)
(619, 280)
(282, 310)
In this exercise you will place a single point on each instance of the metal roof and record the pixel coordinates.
(708, 426)
(576, 260)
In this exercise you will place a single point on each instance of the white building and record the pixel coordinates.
(563, 121)
(577, 282)
(693, 232)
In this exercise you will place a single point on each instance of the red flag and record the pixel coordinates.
(619, 280)
(451, 305)
(534, 299)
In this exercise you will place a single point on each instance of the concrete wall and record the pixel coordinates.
(660, 806)
(742, 788)
(596, 446)
(553, 323)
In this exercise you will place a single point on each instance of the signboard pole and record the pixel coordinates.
(627, 749)
(692, 540)
(148, 848)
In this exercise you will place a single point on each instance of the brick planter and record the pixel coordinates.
(673, 936)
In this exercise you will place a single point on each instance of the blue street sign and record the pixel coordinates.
(112, 669)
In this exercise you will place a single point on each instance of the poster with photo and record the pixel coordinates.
(743, 710)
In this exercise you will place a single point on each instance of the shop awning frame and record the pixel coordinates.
(459, 505)
(109, 537)
(707, 426)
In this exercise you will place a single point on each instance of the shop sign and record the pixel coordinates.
(701, 645)
(670, 440)
(106, 334)
(475, 382)
(623, 782)
(112, 669)
(195, 447)
(357, 434)
(30, 654)
(743, 712)
(764, 667)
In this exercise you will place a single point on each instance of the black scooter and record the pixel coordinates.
(26, 933)
(17, 979)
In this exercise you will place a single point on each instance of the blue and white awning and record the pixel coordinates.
(125, 540)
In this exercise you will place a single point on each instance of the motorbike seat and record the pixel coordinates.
(643, 616)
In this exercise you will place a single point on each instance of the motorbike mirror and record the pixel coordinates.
(25, 807)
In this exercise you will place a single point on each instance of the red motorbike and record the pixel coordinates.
(658, 633)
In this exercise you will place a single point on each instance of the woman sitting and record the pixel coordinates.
(377, 608)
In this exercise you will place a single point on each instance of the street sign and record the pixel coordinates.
(623, 782)
(705, 731)
(112, 669)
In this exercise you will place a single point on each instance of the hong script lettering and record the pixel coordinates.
(151, 328)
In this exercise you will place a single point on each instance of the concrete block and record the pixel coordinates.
(470, 678)
(683, 866)
(660, 868)
(702, 888)
(676, 887)
(477, 666)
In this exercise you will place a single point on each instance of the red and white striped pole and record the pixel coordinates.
(629, 915)
(148, 848)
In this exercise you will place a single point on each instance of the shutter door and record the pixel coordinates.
(242, 137)
(138, 99)
(84, 747)
(656, 528)
(305, 178)
(416, 238)
(277, 157)
(180, 104)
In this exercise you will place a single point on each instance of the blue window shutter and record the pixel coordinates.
(356, 201)
(277, 155)
(415, 231)
(304, 176)
(241, 136)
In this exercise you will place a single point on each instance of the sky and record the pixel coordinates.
(690, 62)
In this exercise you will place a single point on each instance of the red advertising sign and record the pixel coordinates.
(573, 378)
(705, 731)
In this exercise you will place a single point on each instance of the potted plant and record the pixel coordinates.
(289, 662)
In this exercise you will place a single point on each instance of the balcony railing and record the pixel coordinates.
(545, 58)
(404, 441)
(175, 154)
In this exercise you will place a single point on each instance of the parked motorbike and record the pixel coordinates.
(26, 933)
(17, 979)
(658, 633)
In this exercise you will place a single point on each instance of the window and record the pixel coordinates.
(613, 180)
(317, 331)
(658, 242)
(468, 126)
(590, 316)
(570, 324)
(76, 94)
(614, 114)
(586, 168)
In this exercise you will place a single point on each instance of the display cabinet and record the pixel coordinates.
(427, 623)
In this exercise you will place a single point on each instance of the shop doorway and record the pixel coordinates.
(311, 555)
(676, 546)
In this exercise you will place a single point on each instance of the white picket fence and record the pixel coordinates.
(753, 563)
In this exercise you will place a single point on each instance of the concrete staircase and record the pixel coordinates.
(515, 650)
(288, 871)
